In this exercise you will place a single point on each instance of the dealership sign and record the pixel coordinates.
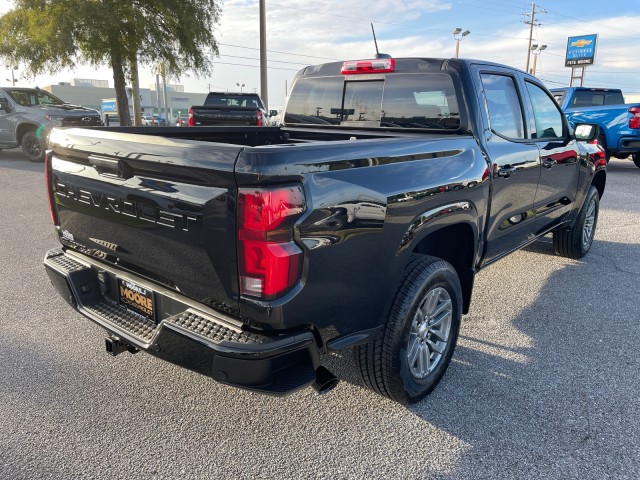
(581, 51)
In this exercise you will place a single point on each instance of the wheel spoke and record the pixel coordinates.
(430, 302)
(425, 354)
(436, 347)
(442, 311)
(420, 366)
(417, 318)
(414, 350)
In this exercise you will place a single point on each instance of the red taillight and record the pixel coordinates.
(269, 261)
(634, 122)
(259, 118)
(382, 65)
(191, 121)
(50, 193)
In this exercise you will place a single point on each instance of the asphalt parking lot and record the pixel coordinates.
(545, 382)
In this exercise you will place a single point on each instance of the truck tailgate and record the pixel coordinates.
(162, 214)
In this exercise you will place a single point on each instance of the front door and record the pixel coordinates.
(560, 170)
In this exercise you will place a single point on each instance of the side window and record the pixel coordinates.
(503, 105)
(546, 113)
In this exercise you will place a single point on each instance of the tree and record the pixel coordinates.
(48, 36)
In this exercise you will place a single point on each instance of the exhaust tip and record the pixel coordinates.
(325, 381)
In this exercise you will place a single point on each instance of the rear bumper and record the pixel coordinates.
(629, 144)
(186, 333)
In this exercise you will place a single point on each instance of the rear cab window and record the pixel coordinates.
(591, 98)
(398, 100)
(233, 101)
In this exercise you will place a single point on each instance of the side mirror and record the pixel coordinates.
(5, 105)
(273, 113)
(586, 132)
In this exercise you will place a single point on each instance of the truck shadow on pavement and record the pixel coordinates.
(548, 390)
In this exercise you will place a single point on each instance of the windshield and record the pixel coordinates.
(30, 97)
(403, 100)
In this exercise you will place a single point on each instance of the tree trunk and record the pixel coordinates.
(135, 92)
(120, 84)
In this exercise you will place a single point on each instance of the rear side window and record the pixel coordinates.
(558, 97)
(546, 113)
(424, 101)
(503, 105)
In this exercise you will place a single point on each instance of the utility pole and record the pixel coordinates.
(531, 22)
(263, 55)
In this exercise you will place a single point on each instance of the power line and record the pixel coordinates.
(253, 58)
(256, 66)
(276, 51)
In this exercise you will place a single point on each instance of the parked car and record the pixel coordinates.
(619, 122)
(229, 109)
(153, 120)
(28, 114)
(243, 253)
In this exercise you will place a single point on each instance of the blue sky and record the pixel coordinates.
(302, 33)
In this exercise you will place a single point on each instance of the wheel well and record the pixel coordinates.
(599, 181)
(23, 129)
(456, 245)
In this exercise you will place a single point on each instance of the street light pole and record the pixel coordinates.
(458, 34)
(240, 85)
(535, 51)
(264, 93)
(13, 78)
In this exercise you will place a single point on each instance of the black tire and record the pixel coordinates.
(603, 143)
(575, 242)
(385, 364)
(32, 147)
(636, 159)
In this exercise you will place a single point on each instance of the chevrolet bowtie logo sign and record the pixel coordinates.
(581, 43)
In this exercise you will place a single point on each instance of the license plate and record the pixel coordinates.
(136, 298)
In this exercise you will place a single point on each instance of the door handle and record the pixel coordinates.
(548, 163)
(506, 172)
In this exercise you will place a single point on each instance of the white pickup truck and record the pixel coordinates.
(27, 115)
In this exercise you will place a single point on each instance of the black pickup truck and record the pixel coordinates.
(245, 253)
(229, 109)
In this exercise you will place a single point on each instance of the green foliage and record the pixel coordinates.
(47, 36)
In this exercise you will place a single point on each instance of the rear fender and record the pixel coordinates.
(449, 232)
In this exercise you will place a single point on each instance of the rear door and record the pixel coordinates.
(515, 166)
(7, 131)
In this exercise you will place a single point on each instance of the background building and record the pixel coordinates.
(90, 93)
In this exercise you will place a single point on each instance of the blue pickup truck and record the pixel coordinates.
(619, 122)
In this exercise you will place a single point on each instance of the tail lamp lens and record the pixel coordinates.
(191, 120)
(269, 261)
(634, 121)
(259, 118)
